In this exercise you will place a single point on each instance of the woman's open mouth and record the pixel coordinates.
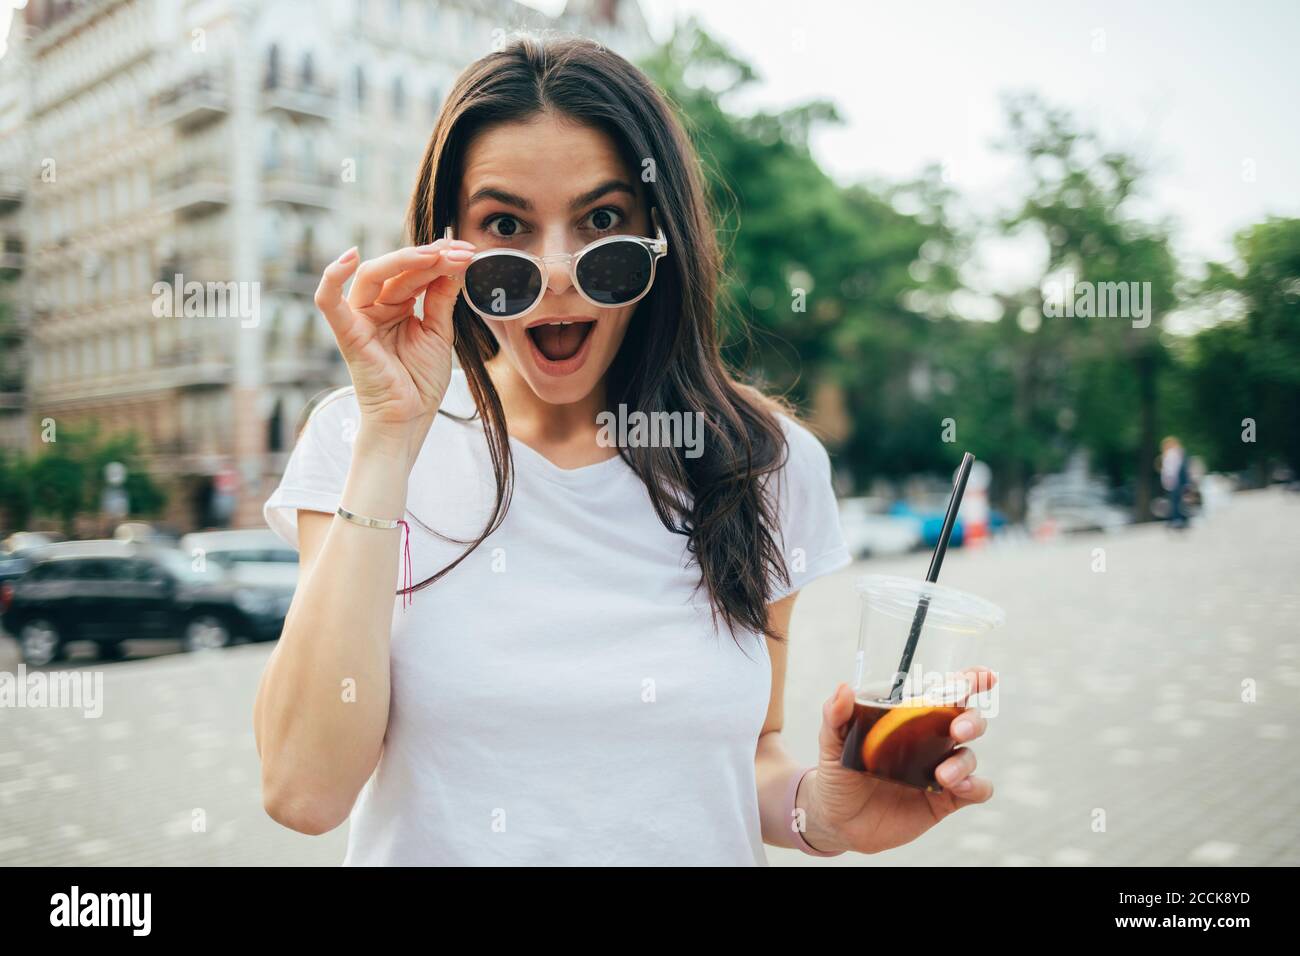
(560, 346)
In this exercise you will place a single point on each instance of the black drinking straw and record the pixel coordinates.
(936, 562)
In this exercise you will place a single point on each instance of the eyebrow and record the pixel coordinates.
(510, 199)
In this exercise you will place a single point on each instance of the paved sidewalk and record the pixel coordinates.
(1121, 693)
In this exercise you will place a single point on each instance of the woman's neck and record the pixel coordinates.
(565, 434)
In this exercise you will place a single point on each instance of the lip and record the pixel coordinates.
(564, 366)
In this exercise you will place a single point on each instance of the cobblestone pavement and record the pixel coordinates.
(1121, 694)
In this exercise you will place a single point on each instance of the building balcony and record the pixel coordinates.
(195, 191)
(193, 103)
(205, 267)
(295, 274)
(317, 365)
(11, 260)
(312, 102)
(189, 366)
(295, 186)
(13, 190)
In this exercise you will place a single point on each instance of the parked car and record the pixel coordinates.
(15, 552)
(144, 532)
(107, 592)
(13, 564)
(868, 532)
(21, 541)
(256, 554)
(1066, 503)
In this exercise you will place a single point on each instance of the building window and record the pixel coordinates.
(399, 96)
(272, 79)
(275, 428)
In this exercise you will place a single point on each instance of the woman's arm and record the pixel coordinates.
(772, 765)
(322, 705)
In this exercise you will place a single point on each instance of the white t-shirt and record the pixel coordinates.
(561, 697)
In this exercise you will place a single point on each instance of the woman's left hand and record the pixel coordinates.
(850, 810)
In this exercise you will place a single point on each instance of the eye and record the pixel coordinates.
(606, 218)
(510, 226)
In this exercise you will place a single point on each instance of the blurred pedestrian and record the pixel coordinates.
(1173, 478)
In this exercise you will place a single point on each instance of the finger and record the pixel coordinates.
(980, 679)
(972, 790)
(409, 283)
(386, 314)
(439, 300)
(956, 768)
(836, 714)
(375, 272)
(968, 725)
(329, 293)
(976, 680)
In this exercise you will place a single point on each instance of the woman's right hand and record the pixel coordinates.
(400, 365)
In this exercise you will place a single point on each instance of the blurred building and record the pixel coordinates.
(231, 143)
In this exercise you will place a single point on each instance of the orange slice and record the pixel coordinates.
(907, 736)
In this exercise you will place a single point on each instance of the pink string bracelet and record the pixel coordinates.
(407, 599)
(791, 814)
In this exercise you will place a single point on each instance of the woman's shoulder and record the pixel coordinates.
(806, 454)
(330, 421)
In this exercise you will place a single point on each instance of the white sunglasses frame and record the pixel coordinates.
(658, 248)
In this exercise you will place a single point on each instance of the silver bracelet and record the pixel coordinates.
(364, 521)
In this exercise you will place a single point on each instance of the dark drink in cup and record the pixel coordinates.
(900, 724)
(903, 742)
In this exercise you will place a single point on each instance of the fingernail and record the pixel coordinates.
(459, 255)
(951, 775)
(348, 256)
(431, 247)
(962, 728)
(963, 786)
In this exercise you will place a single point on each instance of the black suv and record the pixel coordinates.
(108, 592)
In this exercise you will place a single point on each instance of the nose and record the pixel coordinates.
(557, 277)
(556, 251)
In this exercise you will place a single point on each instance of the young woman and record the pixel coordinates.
(586, 662)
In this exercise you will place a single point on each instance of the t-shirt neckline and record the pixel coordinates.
(549, 469)
(460, 401)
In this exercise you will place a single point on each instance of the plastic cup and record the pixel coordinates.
(904, 737)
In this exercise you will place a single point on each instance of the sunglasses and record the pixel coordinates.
(610, 272)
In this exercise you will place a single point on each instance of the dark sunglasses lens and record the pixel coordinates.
(502, 285)
(616, 272)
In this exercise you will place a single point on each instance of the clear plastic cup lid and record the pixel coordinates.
(949, 608)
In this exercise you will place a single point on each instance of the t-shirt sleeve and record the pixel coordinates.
(318, 465)
(810, 536)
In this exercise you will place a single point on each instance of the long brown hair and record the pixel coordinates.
(669, 360)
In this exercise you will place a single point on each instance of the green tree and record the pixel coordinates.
(1080, 195)
(67, 477)
(818, 276)
(1247, 369)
